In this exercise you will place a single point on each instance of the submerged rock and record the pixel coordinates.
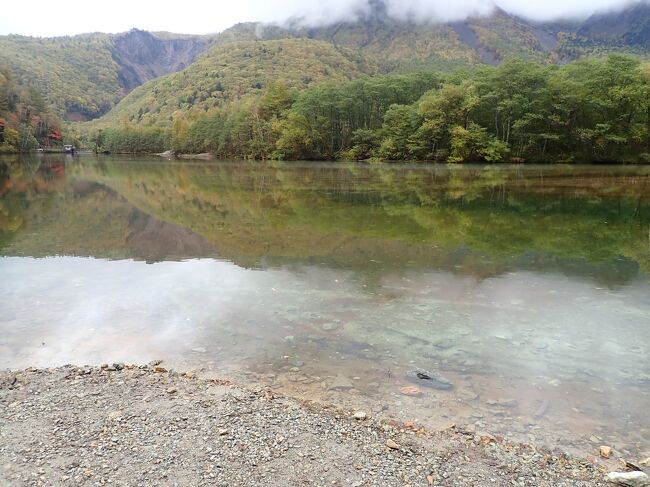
(410, 391)
(341, 383)
(425, 378)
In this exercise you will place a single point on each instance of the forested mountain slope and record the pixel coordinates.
(156, 80)
(84, 76)
(25, 123)
(233, 71)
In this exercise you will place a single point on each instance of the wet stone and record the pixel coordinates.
(426, 378)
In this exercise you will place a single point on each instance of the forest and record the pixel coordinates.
(595, 110)
(25, 120)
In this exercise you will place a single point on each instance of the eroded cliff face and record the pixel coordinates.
(142, 56)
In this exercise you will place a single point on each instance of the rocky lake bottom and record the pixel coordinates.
(513, 302)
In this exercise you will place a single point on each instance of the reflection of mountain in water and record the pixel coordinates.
(87, 218)
(155, 240)
(479, 221)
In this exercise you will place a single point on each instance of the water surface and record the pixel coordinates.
(527, 287)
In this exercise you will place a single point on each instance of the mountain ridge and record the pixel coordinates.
(84, 77)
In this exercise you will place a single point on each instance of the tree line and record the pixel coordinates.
(595, 110)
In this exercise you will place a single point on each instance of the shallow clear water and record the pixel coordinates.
(526, 287)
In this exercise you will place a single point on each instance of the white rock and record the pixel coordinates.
(630, 479)
(360, 415)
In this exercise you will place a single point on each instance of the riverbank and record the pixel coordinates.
(147, 426)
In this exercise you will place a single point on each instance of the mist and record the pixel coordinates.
(208, 17)
(317, 13)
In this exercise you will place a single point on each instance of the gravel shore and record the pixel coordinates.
(142, 426)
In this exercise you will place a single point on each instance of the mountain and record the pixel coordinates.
(627, 28)
(246, 58)
(398, 46)
(82, 77)
(232, 71)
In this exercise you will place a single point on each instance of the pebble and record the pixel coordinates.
(229, 435)
(360, 415)
(605, 451)
(411, 391)
(393, 445)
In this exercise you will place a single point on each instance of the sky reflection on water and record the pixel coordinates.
(527, 285)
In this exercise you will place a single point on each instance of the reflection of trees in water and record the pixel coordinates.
(398, 215)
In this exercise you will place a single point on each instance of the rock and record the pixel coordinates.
(330, 326)
(631, 465)
(444, 344)
(171, 390)
(605, 451)
(393, 445)
(425, 378)
(199, 350)
(119, 366)
(430, 479)
(223, 432)
(153, 363)
(645, 462)
(159, 369)
(487, 438)
(360, 415)
(467, 395)
(410, 391)
(630, 479)
(341, 383)
(542, 409)
(503, 403)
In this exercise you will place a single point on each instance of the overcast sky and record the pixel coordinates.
(62, 17)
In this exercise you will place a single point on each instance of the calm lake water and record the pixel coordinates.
(527, 287)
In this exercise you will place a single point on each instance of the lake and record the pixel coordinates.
(527, 287)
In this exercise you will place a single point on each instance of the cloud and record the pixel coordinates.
(209, 16)
(438, 11)
(314, 12)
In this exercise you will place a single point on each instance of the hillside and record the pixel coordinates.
(628, 28)
(232, 71)
(396, 46)
(246, 57)
(84, 76)
(25, 122)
